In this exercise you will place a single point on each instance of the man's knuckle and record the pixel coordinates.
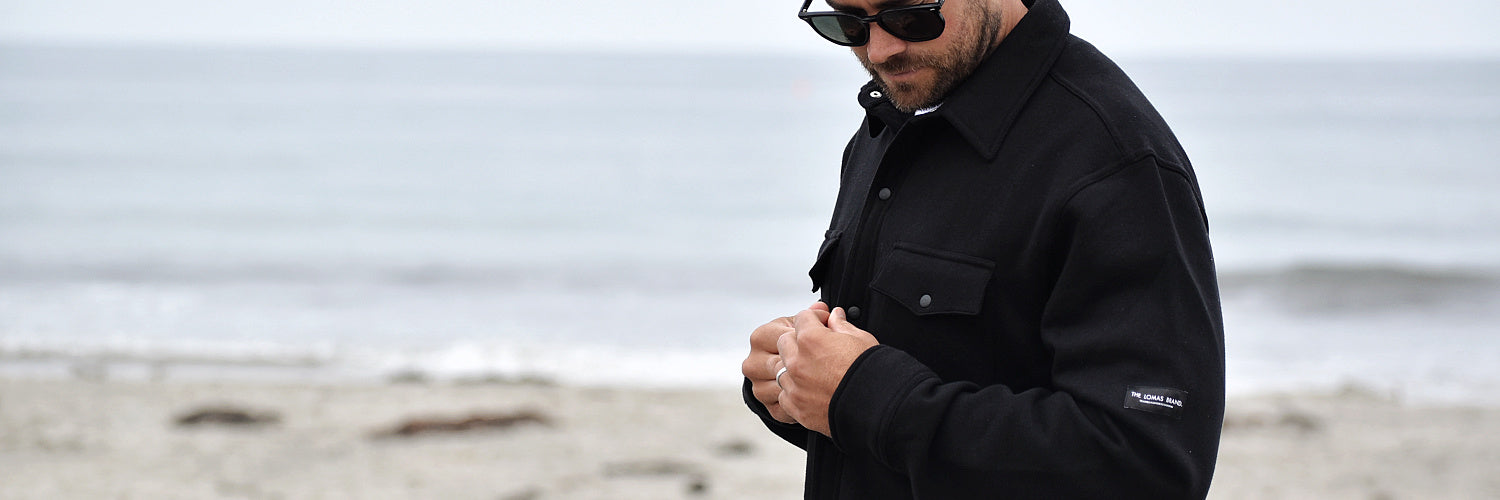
(762, 394)
(758, 339)
(768, 394)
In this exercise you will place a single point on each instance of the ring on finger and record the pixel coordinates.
(778, 376)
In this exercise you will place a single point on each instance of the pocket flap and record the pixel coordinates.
(825, 255)
(929, 281)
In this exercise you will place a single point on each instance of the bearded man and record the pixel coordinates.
(1018, 298)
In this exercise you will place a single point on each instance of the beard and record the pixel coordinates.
(950, 67)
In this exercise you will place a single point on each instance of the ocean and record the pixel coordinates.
(627, 219)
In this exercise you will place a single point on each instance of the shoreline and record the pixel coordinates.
(110, 438)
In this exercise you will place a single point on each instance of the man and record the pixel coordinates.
(1018, 295)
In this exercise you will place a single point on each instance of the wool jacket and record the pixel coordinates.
(1034, 259)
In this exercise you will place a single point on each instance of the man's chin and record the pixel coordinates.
(910, 99)
(904, 94)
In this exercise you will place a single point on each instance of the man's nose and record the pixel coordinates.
(882, 46)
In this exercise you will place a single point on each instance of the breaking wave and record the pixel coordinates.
(1355, 287)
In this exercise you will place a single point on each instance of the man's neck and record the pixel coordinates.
(1010, 16)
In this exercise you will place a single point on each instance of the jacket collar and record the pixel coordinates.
(985, 106)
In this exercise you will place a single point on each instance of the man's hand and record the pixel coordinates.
(817, 354)
(763, 363)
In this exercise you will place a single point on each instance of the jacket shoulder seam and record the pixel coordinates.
(1078, 93)
(1104, 174)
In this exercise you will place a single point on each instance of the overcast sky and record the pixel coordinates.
(1126, 27)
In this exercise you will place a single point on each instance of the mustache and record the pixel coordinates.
(897, 64)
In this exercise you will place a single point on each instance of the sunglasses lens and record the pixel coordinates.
(913, 25)
(840, 29)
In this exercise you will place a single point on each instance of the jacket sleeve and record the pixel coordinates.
(1135, 402)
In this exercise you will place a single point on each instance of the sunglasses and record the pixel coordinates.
(917, 23)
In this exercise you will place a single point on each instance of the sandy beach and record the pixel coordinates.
(514, 441)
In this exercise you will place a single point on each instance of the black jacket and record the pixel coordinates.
(1034, 259)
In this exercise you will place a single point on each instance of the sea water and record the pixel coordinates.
(626, 219)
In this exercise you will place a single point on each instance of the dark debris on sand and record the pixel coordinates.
(226, 416)
(440, 425)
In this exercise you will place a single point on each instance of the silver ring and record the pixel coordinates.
(778, 376)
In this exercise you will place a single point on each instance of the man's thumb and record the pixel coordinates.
(839, 322)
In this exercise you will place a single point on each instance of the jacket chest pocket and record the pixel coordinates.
(928, 281)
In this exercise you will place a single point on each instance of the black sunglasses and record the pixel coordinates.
(917, 23)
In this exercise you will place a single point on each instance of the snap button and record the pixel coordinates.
(885, 193)
(853, 312)
(925, 301)
(875, 94)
